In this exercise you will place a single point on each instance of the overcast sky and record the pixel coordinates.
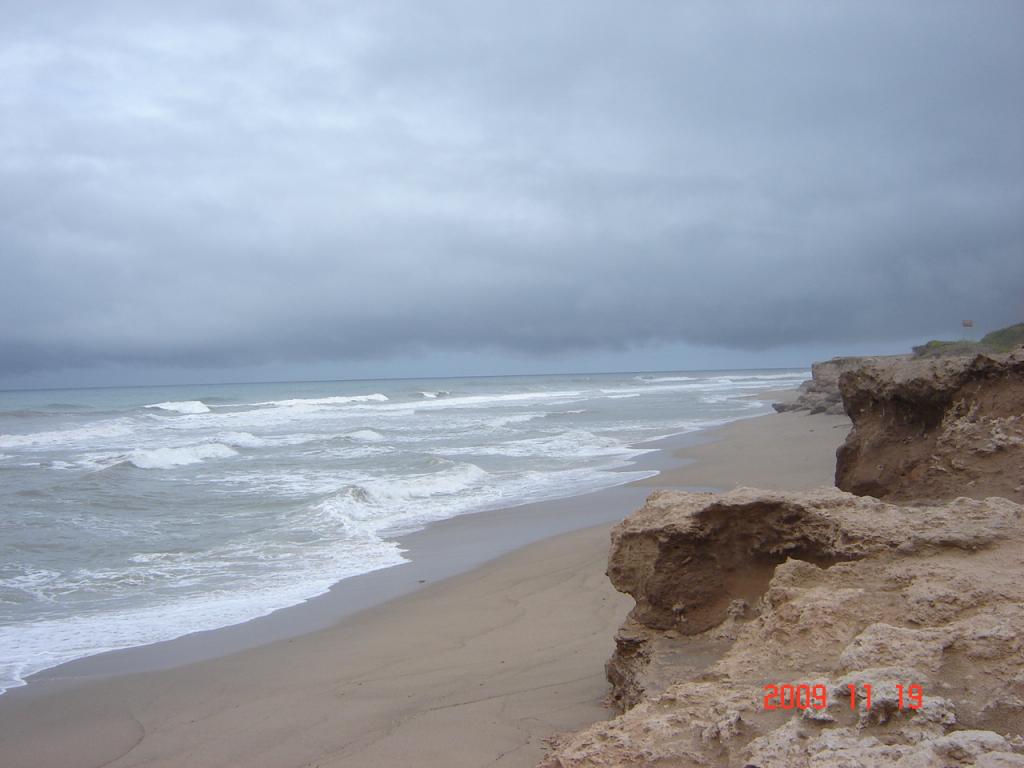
(205, 190)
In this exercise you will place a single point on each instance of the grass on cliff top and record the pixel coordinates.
(1003, 340)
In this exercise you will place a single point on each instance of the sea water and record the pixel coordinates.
(134, 515)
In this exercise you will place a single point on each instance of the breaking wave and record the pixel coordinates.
(166, 458)
(315, 402)
(182, 406)
(366, 436)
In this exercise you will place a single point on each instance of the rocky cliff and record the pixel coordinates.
(826, 590)
(820, 393)
(935, 428)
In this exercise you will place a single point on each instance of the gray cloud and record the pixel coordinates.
(236, 183)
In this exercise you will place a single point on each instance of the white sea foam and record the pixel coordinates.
(30, 647)
(317, 402)
(562, 445)
(767, 376)
(366, 436)
(305, 414)
(403, 503)
(182, 406)
(434, 395)
(478, 401)
(242, 439)
(95, 462)
(515, 418)
(655, 379)
(165, 458)
(298, 484)
(715, 399)
(652, 388)
(63, 438)
(737, 384)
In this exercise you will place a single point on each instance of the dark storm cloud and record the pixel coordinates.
(231, 183)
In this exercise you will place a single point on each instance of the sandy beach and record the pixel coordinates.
(472, 670)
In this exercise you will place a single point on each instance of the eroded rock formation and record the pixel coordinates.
(820, 393)
(935, 428)
(745, 589)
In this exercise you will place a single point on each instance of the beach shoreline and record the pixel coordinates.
(439, 550)
(524, 549)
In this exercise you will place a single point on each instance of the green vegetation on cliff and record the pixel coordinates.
(1003, 340)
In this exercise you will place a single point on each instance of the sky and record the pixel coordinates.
(214, 190)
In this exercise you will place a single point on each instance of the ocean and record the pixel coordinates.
(135, 515)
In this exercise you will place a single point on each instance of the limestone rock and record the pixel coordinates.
(741, 590)
(820, 393)
(935, 428)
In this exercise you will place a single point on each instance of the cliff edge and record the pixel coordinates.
(934, 428)
(825, 590)
(820, 393)
(824, 628)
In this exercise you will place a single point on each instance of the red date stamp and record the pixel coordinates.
(778, 697)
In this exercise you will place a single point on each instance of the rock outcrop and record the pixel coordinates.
(935, 428)
(825, 589)
(820, 393)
